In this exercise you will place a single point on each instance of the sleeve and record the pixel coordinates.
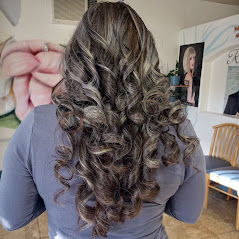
(20, 202)
(186, 204)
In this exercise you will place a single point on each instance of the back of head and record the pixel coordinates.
(115, 109)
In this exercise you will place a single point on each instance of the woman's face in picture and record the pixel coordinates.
(192, 61)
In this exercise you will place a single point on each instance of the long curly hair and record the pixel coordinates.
(115, 109)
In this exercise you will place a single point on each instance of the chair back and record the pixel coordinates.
(225, 143)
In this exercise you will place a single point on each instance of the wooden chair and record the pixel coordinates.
(224, 150)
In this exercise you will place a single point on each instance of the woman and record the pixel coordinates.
(113, 153)
(188, 66)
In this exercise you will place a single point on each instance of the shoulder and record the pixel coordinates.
(192, 157)
(235, 95)
(46, 112)
(177, 169)
(187, 129)
(186, 167)
(196, 159)
(45, 117)
(183, 130)
(188, 76)
(45, 109)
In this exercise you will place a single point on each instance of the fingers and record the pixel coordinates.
(30, 46)
(35, 66)
(40, 94)
(22, 95)
(19, 63)
(47, 79)
(49, 62)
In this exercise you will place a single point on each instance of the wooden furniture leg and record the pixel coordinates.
(237, 216)
(229, 197)
(207, 190)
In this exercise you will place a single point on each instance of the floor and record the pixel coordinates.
(217, 222)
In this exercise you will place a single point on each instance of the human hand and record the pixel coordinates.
(34, 64)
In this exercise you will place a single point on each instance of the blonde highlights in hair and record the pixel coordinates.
(115, 110)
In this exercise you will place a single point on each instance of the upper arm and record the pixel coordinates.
(20, 202)
(187, 203)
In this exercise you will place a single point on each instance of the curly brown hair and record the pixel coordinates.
(115, 110)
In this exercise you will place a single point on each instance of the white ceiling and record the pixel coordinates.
(228, 2)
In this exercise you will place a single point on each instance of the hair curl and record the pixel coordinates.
(115, 109)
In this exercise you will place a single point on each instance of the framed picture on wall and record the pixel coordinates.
(231, 98)
(190, 67)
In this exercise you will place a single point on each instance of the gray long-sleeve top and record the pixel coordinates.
(28, 185)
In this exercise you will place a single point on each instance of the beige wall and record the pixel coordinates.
(198, 12)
